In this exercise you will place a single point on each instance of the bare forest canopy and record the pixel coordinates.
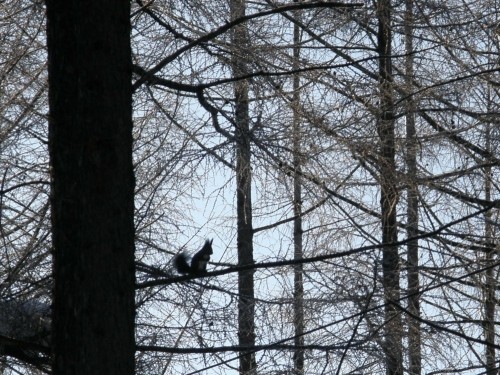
(343, 156)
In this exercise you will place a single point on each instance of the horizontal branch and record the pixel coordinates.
(280, 344)
(24, 184)
(226, 27)
(220, 349)
(319, 258)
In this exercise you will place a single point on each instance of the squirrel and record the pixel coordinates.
(198, 262)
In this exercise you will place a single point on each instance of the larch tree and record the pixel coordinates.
(298, 231)
(414, 326)
(392, 344)
(246, 299)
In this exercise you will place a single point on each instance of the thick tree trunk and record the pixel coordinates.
(90, 145)
(389, 196)
(246, 302)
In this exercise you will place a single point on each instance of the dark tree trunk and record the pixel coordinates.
(298, 269)
(90, 145)
(414, 329)
(490, 284)
(389, 196)
(246, 302)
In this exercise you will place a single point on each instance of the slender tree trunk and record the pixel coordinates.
(490, 282)
(90, 146)
(389, 196)
(489, 288)
(246, 302)
(298, 295)
(414, 329)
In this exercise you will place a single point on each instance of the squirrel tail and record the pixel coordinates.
(181, 264)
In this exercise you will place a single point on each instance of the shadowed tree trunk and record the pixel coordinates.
(298, 269)
(389, 195)
(414, 330)
(90, 145)
(490, 283)
(246, 302)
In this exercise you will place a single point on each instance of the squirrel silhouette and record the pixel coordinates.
(199, 260)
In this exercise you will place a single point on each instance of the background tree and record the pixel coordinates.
(414, 326)
(393, 331)
(240, 46)
(298, 272)
(25, 262)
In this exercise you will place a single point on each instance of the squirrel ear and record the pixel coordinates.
(210, 241)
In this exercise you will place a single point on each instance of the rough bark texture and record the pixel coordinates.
(389, 196)
(90, 145)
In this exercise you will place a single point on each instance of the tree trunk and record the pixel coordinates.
(414, 329)
(489, 288)
(490, 280)
(389, 196)
(298, 294)
(246, 302)
(90, 146)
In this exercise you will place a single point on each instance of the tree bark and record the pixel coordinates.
(246, 302)
(298, 269)
(490, 283)
(414, 329)
(389, 195)
(90, 146)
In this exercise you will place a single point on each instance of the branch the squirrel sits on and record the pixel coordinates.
(199, 260)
